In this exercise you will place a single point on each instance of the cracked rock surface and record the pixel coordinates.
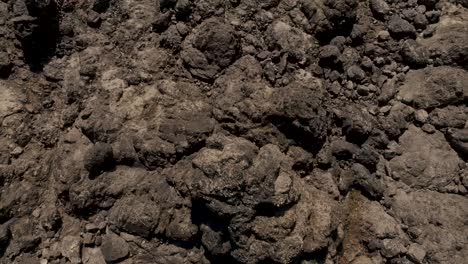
(240, 131)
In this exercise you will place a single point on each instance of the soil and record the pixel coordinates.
(240, 131)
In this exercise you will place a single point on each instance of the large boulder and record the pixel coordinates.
(254, 193)
(427, 160)
(436, 221)
(449, 42)
(160, 213)
(435, 87)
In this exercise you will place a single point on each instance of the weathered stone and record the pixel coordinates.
(434, 87)
(379, 7)
(400, 28)
(71, 248)
(92, 256)
(114, 248)
(427, 161)
(416, 253)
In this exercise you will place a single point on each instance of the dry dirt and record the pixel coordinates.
(233, 131)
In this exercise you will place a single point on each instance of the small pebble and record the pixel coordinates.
(383, 35)
(421, 116)
(428, 128)
(385, 109)
(17, 151)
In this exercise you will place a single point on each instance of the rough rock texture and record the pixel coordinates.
(435, 87)
(241, 131)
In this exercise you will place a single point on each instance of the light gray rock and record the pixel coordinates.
(71, 248)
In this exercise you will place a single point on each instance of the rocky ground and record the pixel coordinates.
(240, 131)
